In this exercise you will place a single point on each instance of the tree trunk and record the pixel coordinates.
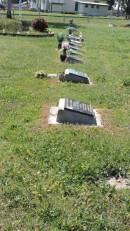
(118, 9)
(9, 15)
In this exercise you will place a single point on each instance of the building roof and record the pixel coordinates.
(92, 3)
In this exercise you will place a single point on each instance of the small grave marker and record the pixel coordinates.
(74, 37)
(74, 76)
(73, 52)
(78, 43)
(74, 112)
(74, 59)
(74, 44)
(74, 47)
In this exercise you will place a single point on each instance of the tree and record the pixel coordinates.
(110, 3)
(9, 14)
(127, 8)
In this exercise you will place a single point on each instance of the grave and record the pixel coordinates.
(77, 43)
(74, 112)
(73, 52)
(74, 37)
(74, 47)
(74, 59)
(71, 29)
(74, 44)
(74, 76)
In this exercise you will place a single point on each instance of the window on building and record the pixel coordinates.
(92, 6)
(86, 5)
(97, 6)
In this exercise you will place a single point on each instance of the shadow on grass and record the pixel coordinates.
(59, 25)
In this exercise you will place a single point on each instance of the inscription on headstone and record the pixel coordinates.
(75, 112)
(78, 107)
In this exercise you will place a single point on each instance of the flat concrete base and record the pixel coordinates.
(52, 120)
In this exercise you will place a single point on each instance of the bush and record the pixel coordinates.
(126, 82)
(39, 24)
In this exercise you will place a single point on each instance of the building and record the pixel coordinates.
(91, 8)
(71, 6)
(67, 6)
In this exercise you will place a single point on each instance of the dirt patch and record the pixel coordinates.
(106, 116)
(54, 81)
(108, 122)
(127, 25)
(119, 183)
(43, 121)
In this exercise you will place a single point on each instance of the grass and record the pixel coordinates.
(53, 178)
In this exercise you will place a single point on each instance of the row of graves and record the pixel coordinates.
(70, 111)
(70, 46)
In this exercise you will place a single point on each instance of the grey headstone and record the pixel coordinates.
(74, 59)
(74, 47)
(73, 52)
(74, 76)
(74, 37)
(74, 44)
(78, 43)
(75, 112)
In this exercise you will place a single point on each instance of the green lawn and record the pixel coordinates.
(53, 178)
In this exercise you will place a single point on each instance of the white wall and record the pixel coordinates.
(69, 6)
(44, 4)
(101, 11)
(57, 7)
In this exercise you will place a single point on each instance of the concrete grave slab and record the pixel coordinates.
(74, 112)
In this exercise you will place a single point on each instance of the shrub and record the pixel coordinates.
(39, 24)
(126, 82)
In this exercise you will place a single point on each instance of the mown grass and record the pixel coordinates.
(53, 178)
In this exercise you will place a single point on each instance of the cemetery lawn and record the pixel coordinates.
(53, 178)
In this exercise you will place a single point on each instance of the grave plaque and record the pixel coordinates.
(74, 59)
(75, 112)
(74, 76)
(78, 106)
(78, 43)
(74, 47)
(74, 44)
(73, 52)
(74, 37)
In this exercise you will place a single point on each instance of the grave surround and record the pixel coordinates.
(74, 112)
